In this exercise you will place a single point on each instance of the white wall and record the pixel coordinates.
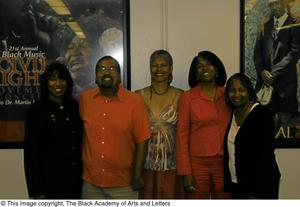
(288, 160)
(183, 27)
(12, 179)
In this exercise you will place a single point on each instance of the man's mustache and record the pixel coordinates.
(106, 76)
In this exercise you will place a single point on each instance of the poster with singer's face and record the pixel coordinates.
(36, 32)
(271, 57)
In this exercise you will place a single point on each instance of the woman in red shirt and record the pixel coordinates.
(203, 119)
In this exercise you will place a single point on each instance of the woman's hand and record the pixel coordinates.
(189, 183)
(39, 197)
(137, 183)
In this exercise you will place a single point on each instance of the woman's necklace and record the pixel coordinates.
(152, 90)
(159, 93)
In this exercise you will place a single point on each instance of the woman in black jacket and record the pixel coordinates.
(251, 170)
(53, 136)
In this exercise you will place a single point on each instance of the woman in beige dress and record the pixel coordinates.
(161, 99)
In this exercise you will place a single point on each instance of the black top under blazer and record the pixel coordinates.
(255, 162)
(52, 150)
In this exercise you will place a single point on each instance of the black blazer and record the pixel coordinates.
(52, 150)
(255, 162)
(279, 56)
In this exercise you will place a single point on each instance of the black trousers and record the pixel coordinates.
(242, 192)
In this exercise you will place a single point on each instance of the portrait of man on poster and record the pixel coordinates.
(276, 52)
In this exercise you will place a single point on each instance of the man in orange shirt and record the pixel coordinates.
(116, 130)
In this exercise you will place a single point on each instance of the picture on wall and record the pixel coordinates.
(271, 53)
(36, 32)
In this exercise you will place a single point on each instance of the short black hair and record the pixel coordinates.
(108, 57)
(245, 81)
(161, 53)
(63, 73)
(215, 61)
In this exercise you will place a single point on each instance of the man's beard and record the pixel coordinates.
(107, 84)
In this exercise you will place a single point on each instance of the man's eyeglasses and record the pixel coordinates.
(103, 69)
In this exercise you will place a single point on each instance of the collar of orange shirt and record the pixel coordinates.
(121, 94)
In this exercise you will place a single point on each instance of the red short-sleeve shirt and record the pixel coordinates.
(111, 130)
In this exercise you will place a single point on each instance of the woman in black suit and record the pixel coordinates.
(53, 136)
(251, 170)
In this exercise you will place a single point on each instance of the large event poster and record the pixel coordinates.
(257, 13)
(36, 32)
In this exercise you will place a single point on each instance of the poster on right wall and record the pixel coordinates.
(271, 53)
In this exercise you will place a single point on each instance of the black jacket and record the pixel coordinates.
(278, 56)
(52, 150)
(256, 168)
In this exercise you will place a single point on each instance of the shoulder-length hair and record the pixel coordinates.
(215, 61)
(246, 82)
(63, 73)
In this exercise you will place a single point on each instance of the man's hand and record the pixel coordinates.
(140, 154)
(267, 77)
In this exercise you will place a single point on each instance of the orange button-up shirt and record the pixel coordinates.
(201, 126)
(111, 130)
